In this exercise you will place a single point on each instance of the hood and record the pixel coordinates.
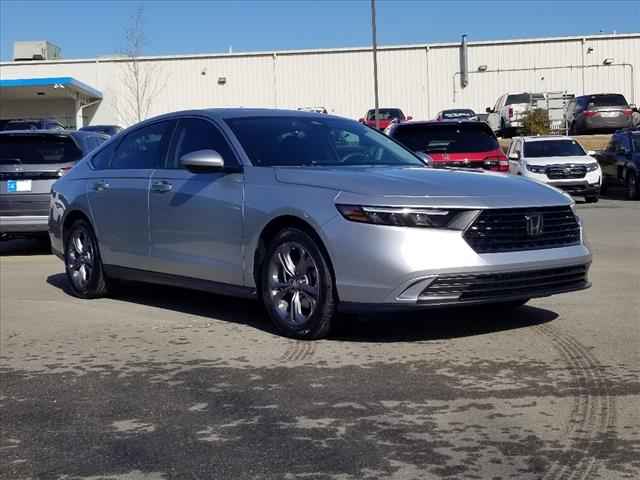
(420, 186)
(578, 160)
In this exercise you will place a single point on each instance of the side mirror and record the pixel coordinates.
(202, 161)
(361, 120)
(591, 153)
(633, 107)
(488, 110)
(514, 156)
(409, 118)
(425, 158)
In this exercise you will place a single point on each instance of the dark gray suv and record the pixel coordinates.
(30, 162)
(603, 112)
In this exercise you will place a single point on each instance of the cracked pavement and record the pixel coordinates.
(164, 383)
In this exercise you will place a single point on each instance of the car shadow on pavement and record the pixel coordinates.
(389, 327)
(27, 246)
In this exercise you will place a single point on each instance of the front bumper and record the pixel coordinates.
(588, 185)
(23, 224)
(393, 267)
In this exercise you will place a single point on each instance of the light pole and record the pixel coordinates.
(375, 61)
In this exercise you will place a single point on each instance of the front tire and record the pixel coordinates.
(297, 287)
(82, 261)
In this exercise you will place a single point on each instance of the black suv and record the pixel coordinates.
(30, 162)
(620, 162)
(602, 112)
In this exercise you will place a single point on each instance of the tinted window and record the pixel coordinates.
(465, 137)
(143, 148)
(26, 125)
(519, 98)
(33, 149)
(101, 160)
(270, 141)
(458, 114)
(386, 114)
(195, 134)
(552, 148)
(607, 101)
(94, 142)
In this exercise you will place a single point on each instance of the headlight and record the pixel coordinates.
(536, 168)
(409, 216)
(592, 166)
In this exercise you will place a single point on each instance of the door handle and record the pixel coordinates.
(100, 186)
(161, 186)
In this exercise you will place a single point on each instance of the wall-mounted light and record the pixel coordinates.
(608, 61)
(203, 71)
(589, 49)
(482, 68)
(222, 80)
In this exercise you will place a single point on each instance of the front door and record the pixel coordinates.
(119, 194)
(196, 218)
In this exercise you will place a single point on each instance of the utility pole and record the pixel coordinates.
(375, 61)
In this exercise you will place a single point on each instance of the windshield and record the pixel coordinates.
(304, 141)
(553, 148)
(462, 138)
(519, 98)
(385, 114)
(458, 114)
(37, 149)
(607, 101)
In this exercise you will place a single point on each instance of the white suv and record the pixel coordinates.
(557, 161)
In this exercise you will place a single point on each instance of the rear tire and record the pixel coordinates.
(592, 199)
(297, 287)
(633, 190)
(82, 261)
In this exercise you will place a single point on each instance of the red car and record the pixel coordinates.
(468, 144)
(386, 116)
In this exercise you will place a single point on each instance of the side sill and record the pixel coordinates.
(145, 276)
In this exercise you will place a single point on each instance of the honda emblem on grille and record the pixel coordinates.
(535, 224)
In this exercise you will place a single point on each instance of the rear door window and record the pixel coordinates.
(38, 149)
(101, 159)
(144, 148)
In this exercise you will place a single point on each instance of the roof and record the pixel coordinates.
(53, 87)
(120, 58)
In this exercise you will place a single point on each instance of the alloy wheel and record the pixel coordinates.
(293, 283)
(80, 259)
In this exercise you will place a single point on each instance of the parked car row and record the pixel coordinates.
(52, 124)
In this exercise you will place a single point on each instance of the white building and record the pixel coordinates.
(419, 79)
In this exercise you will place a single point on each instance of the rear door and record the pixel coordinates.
(196, 218)
(119, 195)
(29, 165)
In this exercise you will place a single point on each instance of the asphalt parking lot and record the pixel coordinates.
(166, 383)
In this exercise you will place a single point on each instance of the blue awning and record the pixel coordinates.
(52, 87)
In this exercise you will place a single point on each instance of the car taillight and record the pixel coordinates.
(496, 164)
(590, 113)
(63, 171)
(627, 112)
(510, 112)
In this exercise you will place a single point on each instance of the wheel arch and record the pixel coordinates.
(271, 229)
(69, 220)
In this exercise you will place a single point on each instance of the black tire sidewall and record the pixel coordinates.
(318, 325)
(632, 186)
(95, 288)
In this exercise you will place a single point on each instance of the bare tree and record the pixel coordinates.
(142, 81)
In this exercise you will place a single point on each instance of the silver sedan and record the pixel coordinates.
(309, 213)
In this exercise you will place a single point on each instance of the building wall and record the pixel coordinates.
(420, 79)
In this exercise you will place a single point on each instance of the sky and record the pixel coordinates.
(90, 28)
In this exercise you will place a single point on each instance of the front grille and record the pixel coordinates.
(488, 286)
(50, 175)
(24, 204)
(556, 172)
(508, 229)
